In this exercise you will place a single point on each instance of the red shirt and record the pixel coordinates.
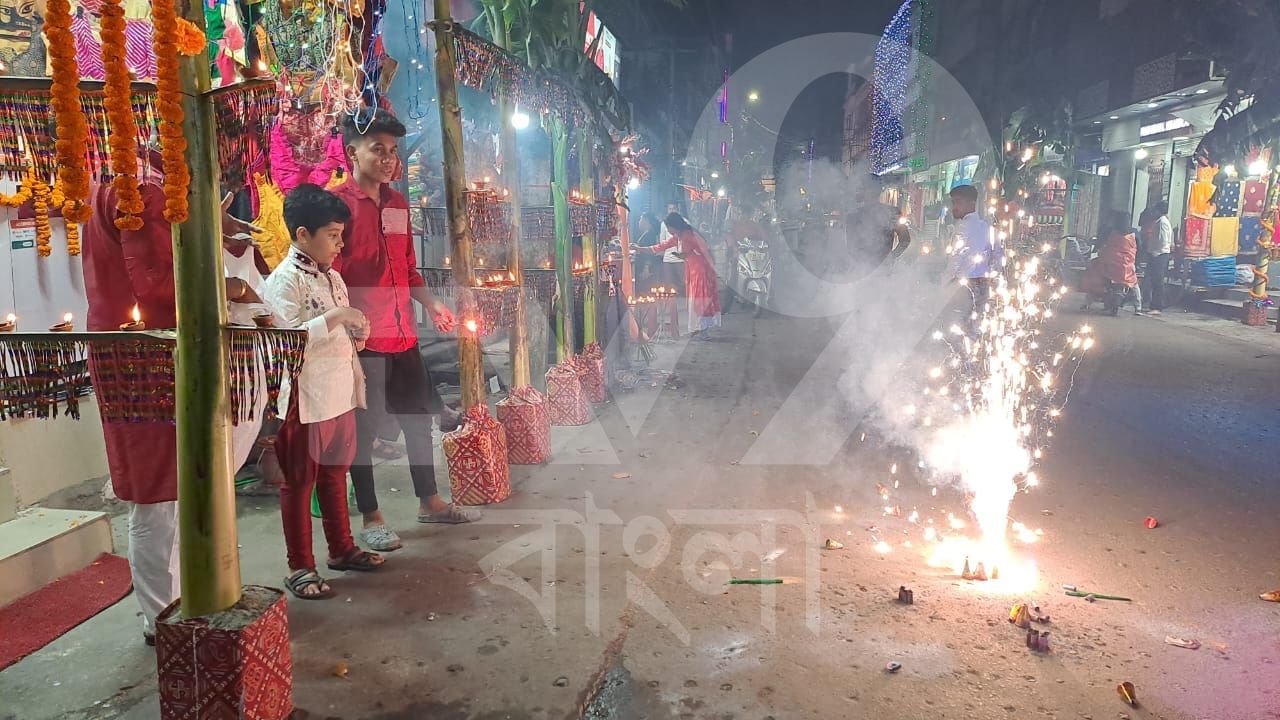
(127, 267)
(379, 265)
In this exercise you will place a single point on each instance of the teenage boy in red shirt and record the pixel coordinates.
(380, 268)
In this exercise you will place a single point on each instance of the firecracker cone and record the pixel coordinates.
(1019, 616)
(967, 574)
(980, 573)
(995, 572)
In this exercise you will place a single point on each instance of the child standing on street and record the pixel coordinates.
(378, 263)
(318, 439)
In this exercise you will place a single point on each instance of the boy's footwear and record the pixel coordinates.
(452, 515)
(380, 538)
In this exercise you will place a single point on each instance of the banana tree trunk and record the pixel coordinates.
(519, 337)
(564, 237)
(586, 189)
(207, 551)
(470, 360)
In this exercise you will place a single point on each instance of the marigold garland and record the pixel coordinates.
(72, 129)
(40, 193)
(177, 177)
(73, 237)
(22, 196)
(190, 40)
(124, 130)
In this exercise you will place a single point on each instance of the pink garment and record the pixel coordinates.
(288, 173)
(139, 55)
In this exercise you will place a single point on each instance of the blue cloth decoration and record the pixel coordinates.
(1250, 232)
(1228, 199)
(1214, 272)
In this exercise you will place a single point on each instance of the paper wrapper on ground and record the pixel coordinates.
(477, 457)
(526, 416)
(567, 400)
(211, 672)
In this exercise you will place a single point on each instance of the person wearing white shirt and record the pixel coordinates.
(318, 439)
(244, 304)
(976, 254)
(1159, 251)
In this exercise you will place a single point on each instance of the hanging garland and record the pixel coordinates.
(22, 196)
(124, 130)
(173, 146)
(190, 40)
(72, 130)
(40, 192)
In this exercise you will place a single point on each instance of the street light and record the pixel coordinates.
(1140, 154)
(519, 120)
(720, 192)
(753, 96)
(633, 183)
(715, 175)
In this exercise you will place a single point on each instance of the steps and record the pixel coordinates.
(41, 545)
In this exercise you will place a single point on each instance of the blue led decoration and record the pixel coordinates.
(889, 92)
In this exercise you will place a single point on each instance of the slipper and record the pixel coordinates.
(358, 560)
(452, 515)
(381, 538)
(303, 579)
(384, 450)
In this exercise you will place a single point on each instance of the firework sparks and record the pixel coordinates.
(986, 414)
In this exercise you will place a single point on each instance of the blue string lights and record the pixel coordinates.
(889, 97)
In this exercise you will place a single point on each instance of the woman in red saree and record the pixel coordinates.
(699, 273)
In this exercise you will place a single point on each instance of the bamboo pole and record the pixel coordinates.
(624, 234)
(519, 338)
(564, 237)
(586, 189)
(470, 359)
(207, 551)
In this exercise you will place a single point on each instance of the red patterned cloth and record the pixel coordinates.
(1255, 194)
(1196, 237)
(568, 401)
(210, 673)
(526, 416)
(477, 456)
(590, 367)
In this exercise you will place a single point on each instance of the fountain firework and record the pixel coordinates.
(987, 412)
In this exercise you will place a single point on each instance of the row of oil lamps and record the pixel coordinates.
(655, 295)
(10, 323)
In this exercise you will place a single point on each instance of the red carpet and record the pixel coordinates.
(31, 622)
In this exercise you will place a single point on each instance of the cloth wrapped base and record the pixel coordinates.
(567, 401)
(590, 368)
(477, 457)
(525, 416)
(211, 673)
(1254, 314)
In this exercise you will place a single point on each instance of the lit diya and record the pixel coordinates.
(64, 326)
(10, 323)
(134, 325)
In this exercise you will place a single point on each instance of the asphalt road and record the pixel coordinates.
(598, 589)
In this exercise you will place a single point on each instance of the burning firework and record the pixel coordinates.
(986, 414)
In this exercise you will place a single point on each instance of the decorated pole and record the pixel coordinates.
(210, 561)
(586, 191)
(470, 359)
(519, 337)
(564, 238)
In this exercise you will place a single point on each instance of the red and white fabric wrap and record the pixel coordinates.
(526, 416)
(590, 367)
(567, 402)
(477, 457)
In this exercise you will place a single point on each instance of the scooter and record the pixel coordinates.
(755, 273)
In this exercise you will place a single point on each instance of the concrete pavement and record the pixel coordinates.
(597, 590)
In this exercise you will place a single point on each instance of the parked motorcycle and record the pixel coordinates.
(755, 273)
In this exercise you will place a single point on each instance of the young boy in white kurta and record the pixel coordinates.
(317, 442)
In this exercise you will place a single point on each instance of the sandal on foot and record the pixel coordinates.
(452, 515)
(303, 579)
(358, 560)
(1273, 596)
(380, 538)
(384, 450)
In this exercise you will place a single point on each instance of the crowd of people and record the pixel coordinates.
(351, 281)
